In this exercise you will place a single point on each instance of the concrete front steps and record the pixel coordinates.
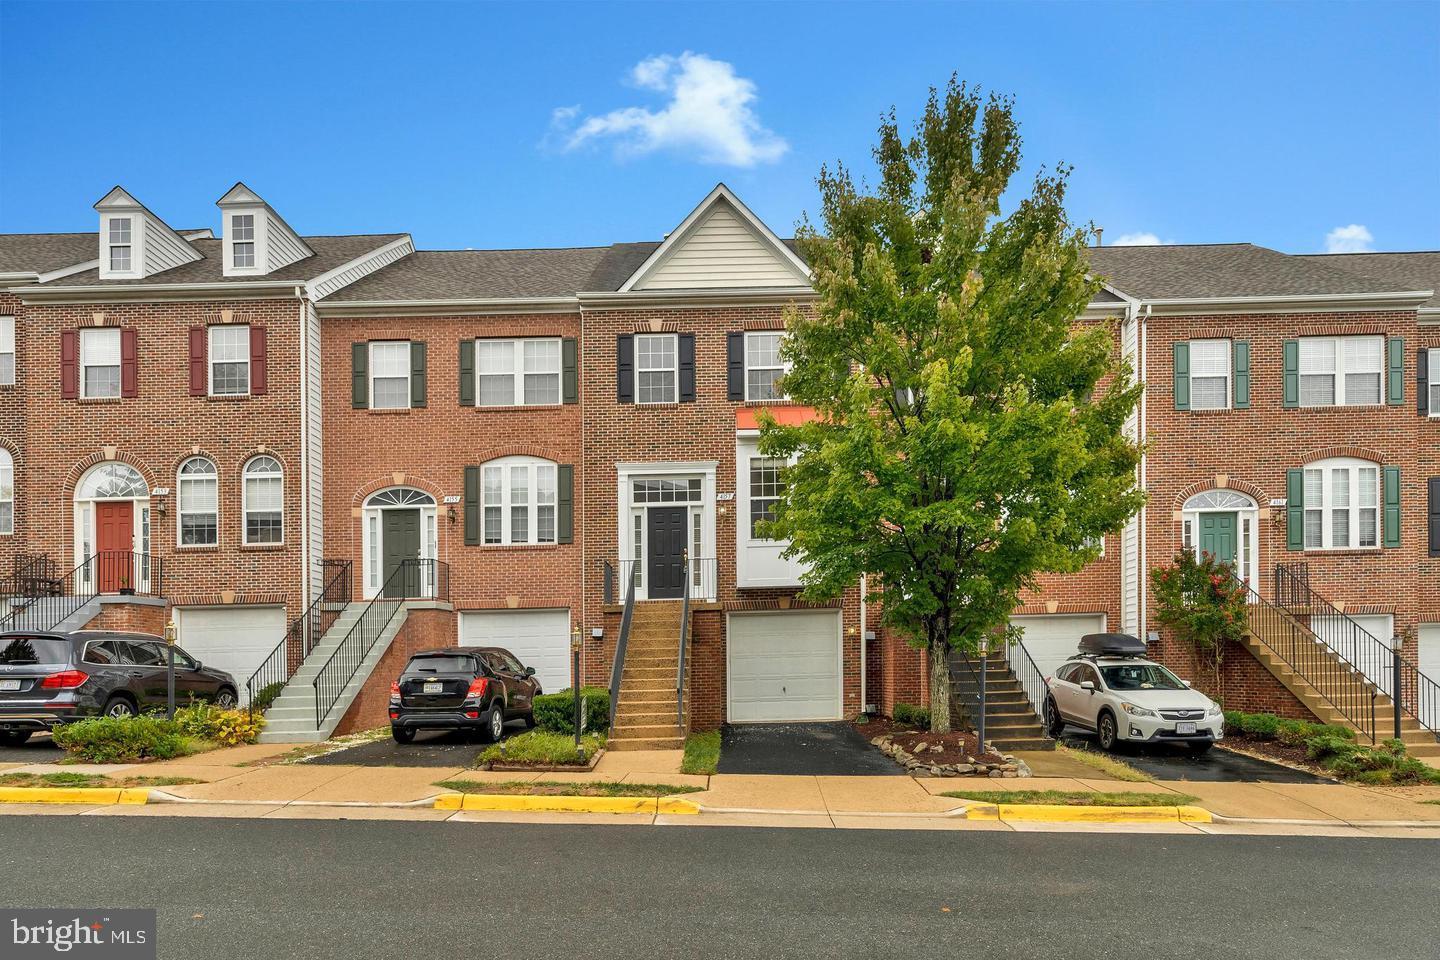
(291, 719)
(647, 715)
(74, 614)
(1419, 742)
(1010, 720)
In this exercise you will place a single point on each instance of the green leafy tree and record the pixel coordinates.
(970, 432)
(1200, 600)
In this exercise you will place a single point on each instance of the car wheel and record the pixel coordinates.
(1200, 749)
(14, 738)
(1109, 736)
(495, 724)
(119, 707)
(402, 734)
(1054, 723)
(530, 720)
(225, 699)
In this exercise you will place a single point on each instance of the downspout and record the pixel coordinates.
(304, 449)
(1144, 345)
(864, 660)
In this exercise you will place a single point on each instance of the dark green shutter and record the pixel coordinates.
(565, 503)
(1182, 375)
(359, 375)
(1392, 506)
(569, 371)
(1395, 372)
(467, 373)
(1295, 509)
(1240, 357)
(417, 373)
(1292, 373)
(472, 506)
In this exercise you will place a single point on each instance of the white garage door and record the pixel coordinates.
(1429, 663)
(1051, 640)
(540, 638)
(234, 639)
(1372, 657)
(784, 666)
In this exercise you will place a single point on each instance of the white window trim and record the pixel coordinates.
(278, 473)
(783, 366)
(1432, 381)
(118, 364)
(7, 465)
(260, 240)
(517, 374)
(532, 501)
(1327, 511)
(372, 535)
(137, 233)
(7, 340)
(1247, 533)
(251, 240)
(370, 367)
(180, 481)
(674, 397)
(1340, 372)
(210, 358)
(1229, 354)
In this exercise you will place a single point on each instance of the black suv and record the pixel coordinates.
(462, 688)
(47, 679)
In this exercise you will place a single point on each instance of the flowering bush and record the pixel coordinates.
(1198, 598)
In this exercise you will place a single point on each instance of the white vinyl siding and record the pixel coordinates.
(390, 374)
(517, 372)
(1342, 371)
(656, 368)
(722, 250)
(229, 353)
(1209, 374)
(1342, 505)
(100, 362)
(763, 366)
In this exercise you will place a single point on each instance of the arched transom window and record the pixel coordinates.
(112, 481)
(198, 487)
(400, 497)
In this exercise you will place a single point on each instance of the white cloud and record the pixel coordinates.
(1355, 238)
(710, 113)
(1137, 240)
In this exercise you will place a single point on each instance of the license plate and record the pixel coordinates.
(1184, 728)
(435, 686)
(9, 684)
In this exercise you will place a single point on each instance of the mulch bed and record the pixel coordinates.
(959, 746)
(1291, 756)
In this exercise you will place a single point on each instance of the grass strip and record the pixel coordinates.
(88, 780)
(544, 748)
(702, 753)
(1108, 765)
(549, 788)
(1075, 798)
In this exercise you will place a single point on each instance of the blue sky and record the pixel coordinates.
(499, 125)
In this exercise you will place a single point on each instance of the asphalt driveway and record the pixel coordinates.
(38, 749)
(1166, 762)
(802, 749)
(430, 748)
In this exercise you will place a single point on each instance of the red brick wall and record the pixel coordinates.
(13, 406)
(1244, 683)
(132, 617)
(423, 630)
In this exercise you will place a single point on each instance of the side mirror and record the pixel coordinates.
(1186, 682)
(1087, 685)
(198, 666)
(529, 671)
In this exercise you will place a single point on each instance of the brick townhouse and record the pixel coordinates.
(266, 436)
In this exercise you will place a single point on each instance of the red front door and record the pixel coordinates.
(114, 540)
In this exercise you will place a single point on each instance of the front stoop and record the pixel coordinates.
(647, 716)
(1419, 742)
(1010, 721)
(291, 719)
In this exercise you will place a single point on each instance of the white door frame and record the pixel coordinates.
(372, 533)
(84, 539)
(1247, 527)
(628, 513)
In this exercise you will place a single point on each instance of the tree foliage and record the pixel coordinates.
(970, 432)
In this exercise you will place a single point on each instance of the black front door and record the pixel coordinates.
(665, 568)
(401, 542)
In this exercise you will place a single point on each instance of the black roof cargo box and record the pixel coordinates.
(1112, 645)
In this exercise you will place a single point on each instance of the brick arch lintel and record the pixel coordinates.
(121, 456)
(1357, 453)
(388, 480)
(1250, 490)
(517, 450)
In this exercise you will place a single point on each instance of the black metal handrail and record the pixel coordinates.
(344, 663)
(44, 603)
(622, 574)
(1410, 690)
(304, 632)
(1337, 682)
(1032, 680)
(684, 642)
(617, 669)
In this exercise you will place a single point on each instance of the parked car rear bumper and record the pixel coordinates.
(439, 720)
(41, 720)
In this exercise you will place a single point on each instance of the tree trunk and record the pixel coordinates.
(939, 648)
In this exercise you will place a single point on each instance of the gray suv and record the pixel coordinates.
(47, 679)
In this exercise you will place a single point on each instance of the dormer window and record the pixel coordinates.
(242, 230)
(120, 244)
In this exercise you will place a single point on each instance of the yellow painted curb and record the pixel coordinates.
(982, 811)
(516, 803)
(675, 805)
(1064, 813)
(1195, 815)
(449, 801)
(97, 795)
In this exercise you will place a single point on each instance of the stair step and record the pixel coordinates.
(653, 743)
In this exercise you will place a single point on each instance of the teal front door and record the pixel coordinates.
(1218, 536)
(401, 542)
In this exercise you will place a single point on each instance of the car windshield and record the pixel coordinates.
(21, 650)
(1140, 676)
(442, 665)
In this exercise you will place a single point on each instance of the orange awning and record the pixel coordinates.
(787, 415)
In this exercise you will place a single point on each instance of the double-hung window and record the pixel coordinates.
(264, 496)
(389, 374)
(242, 239)
(1341, 371)
(100, 361)
(517, 372)
(229, 353)
(519, 500)
(763, 366)
(1342, 505)
(656, 368)
(765, 489)
(198, 485)
(7, 351)
(1209, 374)
(120, 244)
(1433, 385)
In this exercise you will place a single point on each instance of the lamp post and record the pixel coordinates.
(984, 669)
(170, 670)
(575, 686)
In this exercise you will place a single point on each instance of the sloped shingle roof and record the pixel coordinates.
(1419, 270)
(1203, 271)
(43, 252)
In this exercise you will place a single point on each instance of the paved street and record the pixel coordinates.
(258, 889)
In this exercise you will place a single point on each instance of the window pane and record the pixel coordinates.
(262, 528)
(492, 485)
(762, 349)
(1314, 524)
(544, 524)
(197, 495)
(542, 388)
(519, 524)
(760, 384)
(263, 493)
(1339, 488)
(495, 356)
(244, 254)
(1368, 527)
(1369, 489)
(492, 525)
(1209, 393)
(655, 387)
(1362, 388)
(542, 356)
(244, 226)
(198, 529)
(102, 382)
(654, 352)
(390, 393)
(230, 378)
(7, 517)
(119, 258)
(1364, 354)
(519, 484)
(1340, 528)
(1209, 358)
(497, 391)
(1317, 390)
(1317, 355)
(119, 229)
(100, 347)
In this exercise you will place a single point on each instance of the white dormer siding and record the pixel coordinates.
(257, 241)
(134, 243)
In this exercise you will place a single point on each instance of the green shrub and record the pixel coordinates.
(556, 711)
(205, 721)
(266, 696)
(122, 739)
(1294, 733)
(1385, 763)
(906, 715)
(1262, 726)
